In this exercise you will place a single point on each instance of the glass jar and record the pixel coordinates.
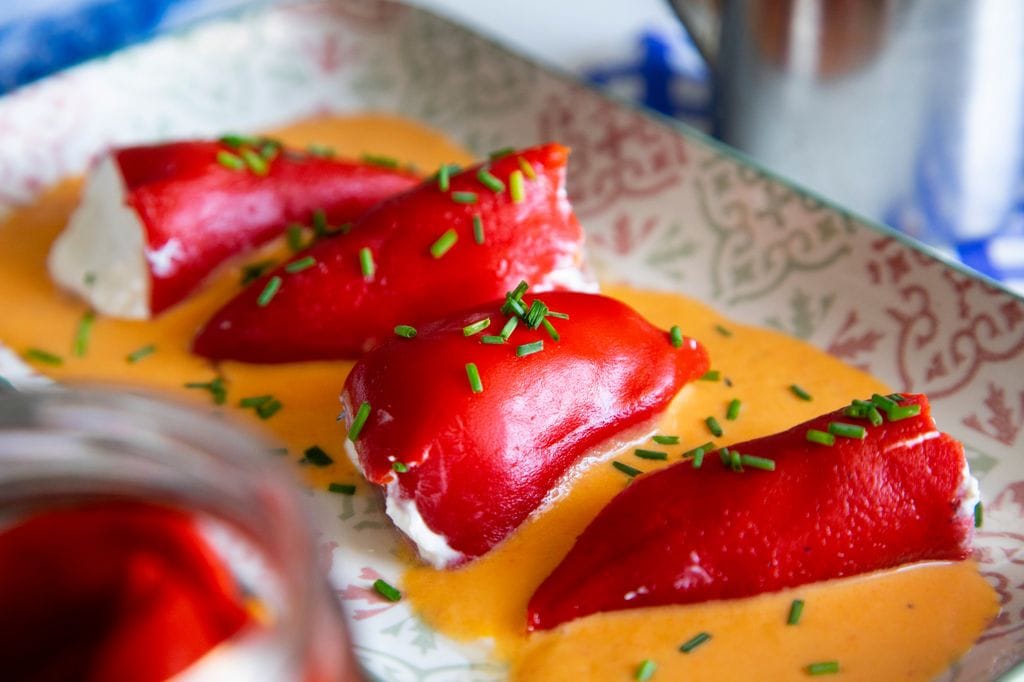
(63, 448)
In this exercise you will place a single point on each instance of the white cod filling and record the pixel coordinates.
(100, 255)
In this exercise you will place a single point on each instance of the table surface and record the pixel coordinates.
(636, 49)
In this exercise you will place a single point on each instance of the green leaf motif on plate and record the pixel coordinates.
(806, 313)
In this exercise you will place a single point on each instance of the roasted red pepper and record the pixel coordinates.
(464, 468)
(114, 591)
(411, 259)
(684, 534)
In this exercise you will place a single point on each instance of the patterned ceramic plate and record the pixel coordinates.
(664, 208)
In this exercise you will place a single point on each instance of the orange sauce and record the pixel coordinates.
(935, 611)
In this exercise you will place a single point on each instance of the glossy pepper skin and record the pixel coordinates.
(683, 535)
(480, 463)
(197, 212)
(111, 592)
(334, 310)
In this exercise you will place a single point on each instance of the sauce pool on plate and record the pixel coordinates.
(936, 611)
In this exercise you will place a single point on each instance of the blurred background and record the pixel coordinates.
(909, 112)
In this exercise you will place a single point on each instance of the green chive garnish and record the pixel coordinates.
(650, 454)
(665, 440)
(140, 353)
(316, 456)
(323, 151)
(698, 458)
(230, 161)
(847, 430)
(254, 271)
(269, 408)
(256, 163)
(800, 393)
(714, 427)
(558, 316)
(478, 229)
(884, 403)
(444, 177)
(735, 460)
(820, 437)
(235, 141)
(979, 515)
(823, 668)
(45, 357)
(645, 671)
(550, 329)
(464, 197)
(300, 265)
(711, 375)
(722, 330)
(626, 469)
(755, 462)
(509, 327)
(476, 327)
(269, 291)
(498, 153)
(795, 610)
(515, 187)
(536, 313)
(492, 340)
(366, 264)
(904, 411)
(319, 220)
(360, 419)
(382, 161)
(341, 488)
(694, 642)
(294, 237)
(473, 375)
(707, 447)
(405, 331)
(527, 169)
(254, 401)
(83, 332)
(444, 243)
(400, 467)
(488, 180)
(218, 391)
(898, 397)
(676, 336)
(385, 590)
(733, 411)
(529, 348)
(269, 149)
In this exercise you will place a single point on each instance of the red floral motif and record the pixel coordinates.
(949, 324)
(330, 54)
(626, 235)
(356, 592)
(617, 153)
(1003, 425)
(847, 344)
(1001, 561)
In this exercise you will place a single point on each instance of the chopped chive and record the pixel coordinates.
(254, 401)
(254, 271)
(711, 375)
(300, 265)
(796, 608)
(626, 469)
(645, 671)
(444, 177)
(755, 462)
(855, 411)
(385, 590)
(823, 668)
(724, 331)
(665, 440)
(444, 243)
(735, 460)
(979, 515)
(724, 455)
(529, 348)
(498, 153)
(515, 187)
(323, 151)
(341, 488)
(733, 411)
(550, 329)
(800, 393)
(269, 408)
(140, 353)
(473, 375)
(319, 220)
(694, 642)
(400, 467)
(45, 357)
(269, 291)
(510, 326)
(874, 416)
(527, 168)
(230, 161)
(478, 229)
(650, 454)
(83, 332)
(820, 437)
(294, 237)
(464, 197)
(558, 316)
(884, 403)
(366, 264)
(847, 430)
(476, 327)
(898, 397)
(707, 447)
(698, 458)
(379, 160)
(714, 427)
(405, 331)
(236, 141)
(488, 180)
(216, 389)
(904, 411)
(536, 313)
(270, 149)
(492, 340)
(676, 336)
(360, 419)
(256, 163)
(316, 456)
